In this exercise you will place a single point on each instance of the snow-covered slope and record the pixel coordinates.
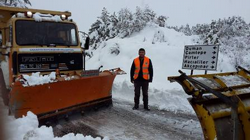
(165, 48)
(166, 56)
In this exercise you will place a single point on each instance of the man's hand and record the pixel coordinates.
(132, 82)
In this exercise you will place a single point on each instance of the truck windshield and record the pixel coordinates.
(45, 33)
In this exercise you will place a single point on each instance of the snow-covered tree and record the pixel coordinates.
(148, 14)
(139, 22)
(125, 23)
(15, 3)
(187, 30)
(233, 36)
(113, 31)
(95, 34)
(122, 24)
(161, 21)
(100, 30)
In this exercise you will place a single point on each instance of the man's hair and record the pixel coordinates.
(141, 49)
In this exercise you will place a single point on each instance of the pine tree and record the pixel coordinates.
(149, 15)
(113, 26)
(187, 30)
(94, 33)
(15, 3)
(100, 30)
(161, 21)
(125, 23)
(139, 22)
(106, 21)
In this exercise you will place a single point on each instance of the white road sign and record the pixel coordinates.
(200, 57)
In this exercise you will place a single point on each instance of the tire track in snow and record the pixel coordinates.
(122, 123)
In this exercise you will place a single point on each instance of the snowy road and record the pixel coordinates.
(120, 122)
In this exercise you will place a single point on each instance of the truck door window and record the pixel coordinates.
(73, 36)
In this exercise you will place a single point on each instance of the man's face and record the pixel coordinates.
(141, 54)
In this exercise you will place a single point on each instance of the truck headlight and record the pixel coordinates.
(29, 14)
(63, 17)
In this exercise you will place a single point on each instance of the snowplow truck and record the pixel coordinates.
(221, 102)
(47, 43)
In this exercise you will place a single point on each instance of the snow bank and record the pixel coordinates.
(170, 100)
(37, 79)
(26, 128)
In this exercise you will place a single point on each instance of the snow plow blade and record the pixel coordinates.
(61, 97)
(221, 102)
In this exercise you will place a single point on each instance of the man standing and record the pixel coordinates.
(141, 73)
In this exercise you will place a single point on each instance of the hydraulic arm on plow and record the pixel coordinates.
(221, 102)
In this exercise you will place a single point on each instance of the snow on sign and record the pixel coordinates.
(200, 57)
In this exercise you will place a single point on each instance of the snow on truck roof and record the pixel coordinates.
(40, 17)
(8, 12)
(14, 10)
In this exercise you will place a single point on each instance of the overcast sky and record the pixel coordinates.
(180, 12)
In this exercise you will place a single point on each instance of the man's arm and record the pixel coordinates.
(150, 69)
(132, 70)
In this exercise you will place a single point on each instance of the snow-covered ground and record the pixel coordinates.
(120, 122)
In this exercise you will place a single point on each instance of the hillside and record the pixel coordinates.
(165, 47)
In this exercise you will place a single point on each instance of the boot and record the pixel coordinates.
(135, 107)
(146, 108)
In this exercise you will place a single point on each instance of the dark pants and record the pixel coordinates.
(138, 85)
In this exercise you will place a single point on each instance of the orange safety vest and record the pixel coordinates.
(145, 66)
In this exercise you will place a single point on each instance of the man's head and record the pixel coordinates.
(141, 53)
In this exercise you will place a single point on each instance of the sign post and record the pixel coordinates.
(200, 57)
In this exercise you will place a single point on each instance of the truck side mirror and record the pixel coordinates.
(86, 45)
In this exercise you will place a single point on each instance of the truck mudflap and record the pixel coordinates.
(221, 102)
(65, 96)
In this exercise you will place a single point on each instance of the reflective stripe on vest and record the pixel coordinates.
(145, 66)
